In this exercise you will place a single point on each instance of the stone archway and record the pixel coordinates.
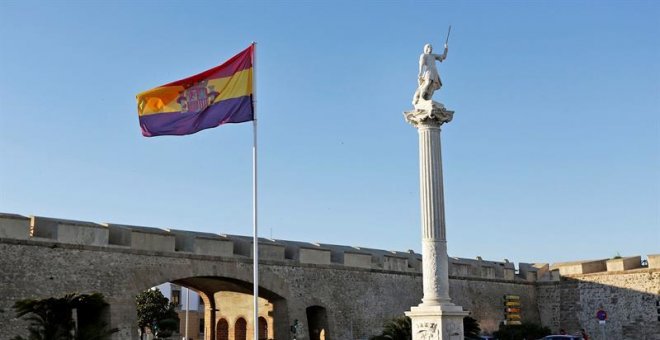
(274, 290)
(213, 290)
(317, 319)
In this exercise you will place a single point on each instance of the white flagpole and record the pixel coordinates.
(255, 240)
(187, 310)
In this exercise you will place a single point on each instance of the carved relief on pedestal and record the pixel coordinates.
(430, 264)
(427, 331)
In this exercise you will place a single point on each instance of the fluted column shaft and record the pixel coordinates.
(434, 243)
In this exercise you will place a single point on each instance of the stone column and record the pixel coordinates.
(434, 244)
(436, 317)
(209, 315)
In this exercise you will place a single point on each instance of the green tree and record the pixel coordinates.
(154, 311)
(52, 318)
(398, 328)
(91, 311)
(471, 327)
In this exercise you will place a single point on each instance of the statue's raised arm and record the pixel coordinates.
(443, 56)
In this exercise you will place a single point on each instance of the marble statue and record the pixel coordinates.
(428, 77)
(428, 81)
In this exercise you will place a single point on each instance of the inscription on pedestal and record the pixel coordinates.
(427, 331)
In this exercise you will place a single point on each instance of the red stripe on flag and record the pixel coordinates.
(239, 62)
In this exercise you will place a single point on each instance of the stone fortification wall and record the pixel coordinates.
(361, 299)
(359, 287)
(485, 300)
(630, 297)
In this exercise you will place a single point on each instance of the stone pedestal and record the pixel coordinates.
(436, 317)
(437, 322)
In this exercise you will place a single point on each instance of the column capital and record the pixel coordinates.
(432, 115)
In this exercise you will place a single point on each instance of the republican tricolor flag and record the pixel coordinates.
(214, 97)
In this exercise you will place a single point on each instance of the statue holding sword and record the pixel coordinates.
(429, 77)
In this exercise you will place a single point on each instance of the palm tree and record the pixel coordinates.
(471, 327)
(398, 328)
(48, 319)
(51, 318)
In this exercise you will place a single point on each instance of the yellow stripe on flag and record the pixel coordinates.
(164, 99)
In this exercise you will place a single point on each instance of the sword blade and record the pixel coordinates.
(448, 33)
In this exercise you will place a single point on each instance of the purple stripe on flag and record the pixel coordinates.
(235, 110)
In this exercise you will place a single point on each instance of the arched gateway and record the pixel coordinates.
(208, 277)
(224, 297)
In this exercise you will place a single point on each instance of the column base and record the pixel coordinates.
(443, 322)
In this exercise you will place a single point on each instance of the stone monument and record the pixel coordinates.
(435, 317)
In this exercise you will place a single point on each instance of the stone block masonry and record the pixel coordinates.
(359, 287)
(14, 226)
(630, 298)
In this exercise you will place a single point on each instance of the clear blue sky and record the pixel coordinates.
(553, 154)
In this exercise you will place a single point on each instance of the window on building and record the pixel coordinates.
(222, 330)
(263, 328)
(240, 329)
(176, 298)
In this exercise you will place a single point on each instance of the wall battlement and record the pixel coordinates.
(37, 228)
